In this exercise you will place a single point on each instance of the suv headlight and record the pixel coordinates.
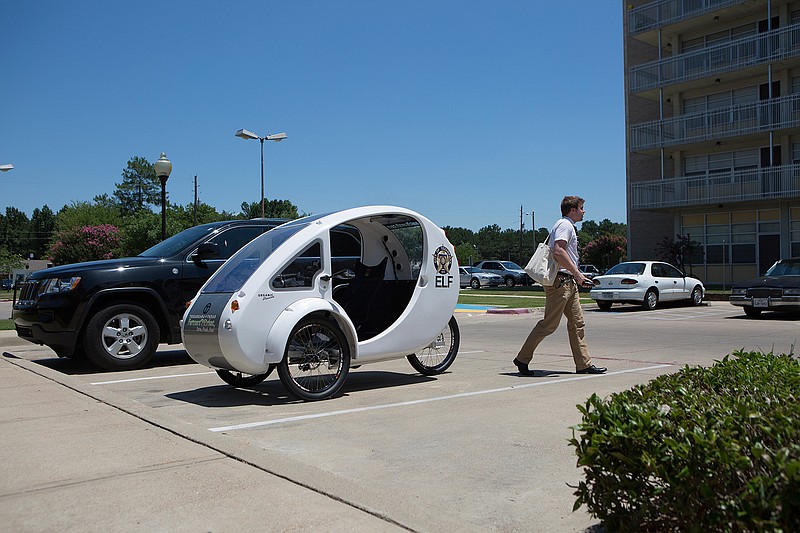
(59, 285)
(739, 292)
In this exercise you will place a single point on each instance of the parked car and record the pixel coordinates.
(282, 302)
(777, 290)
(7, 284)
(511, 272)
(117, 311)
(645, 283)
(590, 271)
(477, 278)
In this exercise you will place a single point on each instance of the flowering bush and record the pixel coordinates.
(85, 243)
(605, 251)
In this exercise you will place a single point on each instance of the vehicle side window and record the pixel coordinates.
(232, 240)
(491, 266)
(657, 271)
(671, 272)
(301, 271)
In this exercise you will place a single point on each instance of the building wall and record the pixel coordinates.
(740, 218)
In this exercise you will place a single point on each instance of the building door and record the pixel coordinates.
(769, 251)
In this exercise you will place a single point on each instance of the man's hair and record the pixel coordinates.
(569, 202)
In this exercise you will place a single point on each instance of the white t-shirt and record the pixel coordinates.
(564, 230)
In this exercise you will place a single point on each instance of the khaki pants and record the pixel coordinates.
(562, 297)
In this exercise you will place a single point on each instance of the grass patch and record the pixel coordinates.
(6, 324)
(518, 297)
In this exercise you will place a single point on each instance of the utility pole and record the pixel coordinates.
(195, 200)
(520, 233)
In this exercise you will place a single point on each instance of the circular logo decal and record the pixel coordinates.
(443, 260)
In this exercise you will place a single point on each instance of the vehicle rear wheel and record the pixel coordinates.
(604, 306)
(510, 282)
(650, 300)
(475, 283)
(697, 296)
(437, 357)
(752, 312)
(240, 379)
(121, 337)
(316, 360)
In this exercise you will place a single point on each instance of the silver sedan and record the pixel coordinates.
(645, 283)
(477, 278)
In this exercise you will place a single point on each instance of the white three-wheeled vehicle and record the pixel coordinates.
(315, 295)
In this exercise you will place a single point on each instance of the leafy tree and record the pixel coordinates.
(9, 261)
(187, 216)
(15, 232)
(681, 252)
(605, 251)
(141, 231)
(100, 211)
(85, 243)
(43, 226)
(140, 186)
(272, 209)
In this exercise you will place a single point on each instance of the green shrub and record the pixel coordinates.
(704, 449)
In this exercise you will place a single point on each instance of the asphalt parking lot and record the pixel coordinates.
(172, 447)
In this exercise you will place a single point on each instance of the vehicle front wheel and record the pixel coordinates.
(697, 296)
(752, 312)
(437, 357)
(240, 379)
(316, 360)
(121, 337)
(604, 306)
(475, 283)
(510, 282)
(650, 300)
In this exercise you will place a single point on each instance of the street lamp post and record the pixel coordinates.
(163, 168)
(277, 137)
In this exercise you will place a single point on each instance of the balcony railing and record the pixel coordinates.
(745, 52)
(663, 12)
(717, 188)
(772, 114)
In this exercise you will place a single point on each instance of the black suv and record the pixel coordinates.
(117, 311)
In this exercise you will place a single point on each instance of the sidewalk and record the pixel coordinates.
(73, 462)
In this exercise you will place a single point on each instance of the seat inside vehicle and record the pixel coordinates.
(372, 302)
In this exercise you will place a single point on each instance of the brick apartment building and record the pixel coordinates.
(712, 117)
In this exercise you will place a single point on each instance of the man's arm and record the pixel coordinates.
(563, 259)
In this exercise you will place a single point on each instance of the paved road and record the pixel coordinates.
(478, 448)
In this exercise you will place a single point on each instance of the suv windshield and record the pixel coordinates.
(178, 242)
(238, 269)
(510, 265)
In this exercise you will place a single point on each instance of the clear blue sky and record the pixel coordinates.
(462, 110)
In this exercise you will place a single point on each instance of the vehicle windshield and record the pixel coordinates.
(784, 268)
(238, 269)
(471, 270)
(627, 268)
(178, 242)
(510, 265)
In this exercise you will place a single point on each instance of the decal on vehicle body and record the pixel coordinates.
(443, 260)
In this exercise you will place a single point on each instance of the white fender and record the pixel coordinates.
(289, 318)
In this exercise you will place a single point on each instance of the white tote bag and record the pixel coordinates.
(542, 267)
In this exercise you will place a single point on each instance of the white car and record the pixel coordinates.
(311, 296)
(477, 278)
(645, 283)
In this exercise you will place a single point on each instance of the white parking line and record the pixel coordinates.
(149, 378)
(426, 400)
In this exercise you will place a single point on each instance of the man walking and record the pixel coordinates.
(563, 296)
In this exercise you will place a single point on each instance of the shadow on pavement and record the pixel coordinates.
(79, 366)
(272, 391)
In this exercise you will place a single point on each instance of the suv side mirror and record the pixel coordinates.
(207, 250)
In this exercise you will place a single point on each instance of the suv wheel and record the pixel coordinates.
(510, 282)
(121, 337)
